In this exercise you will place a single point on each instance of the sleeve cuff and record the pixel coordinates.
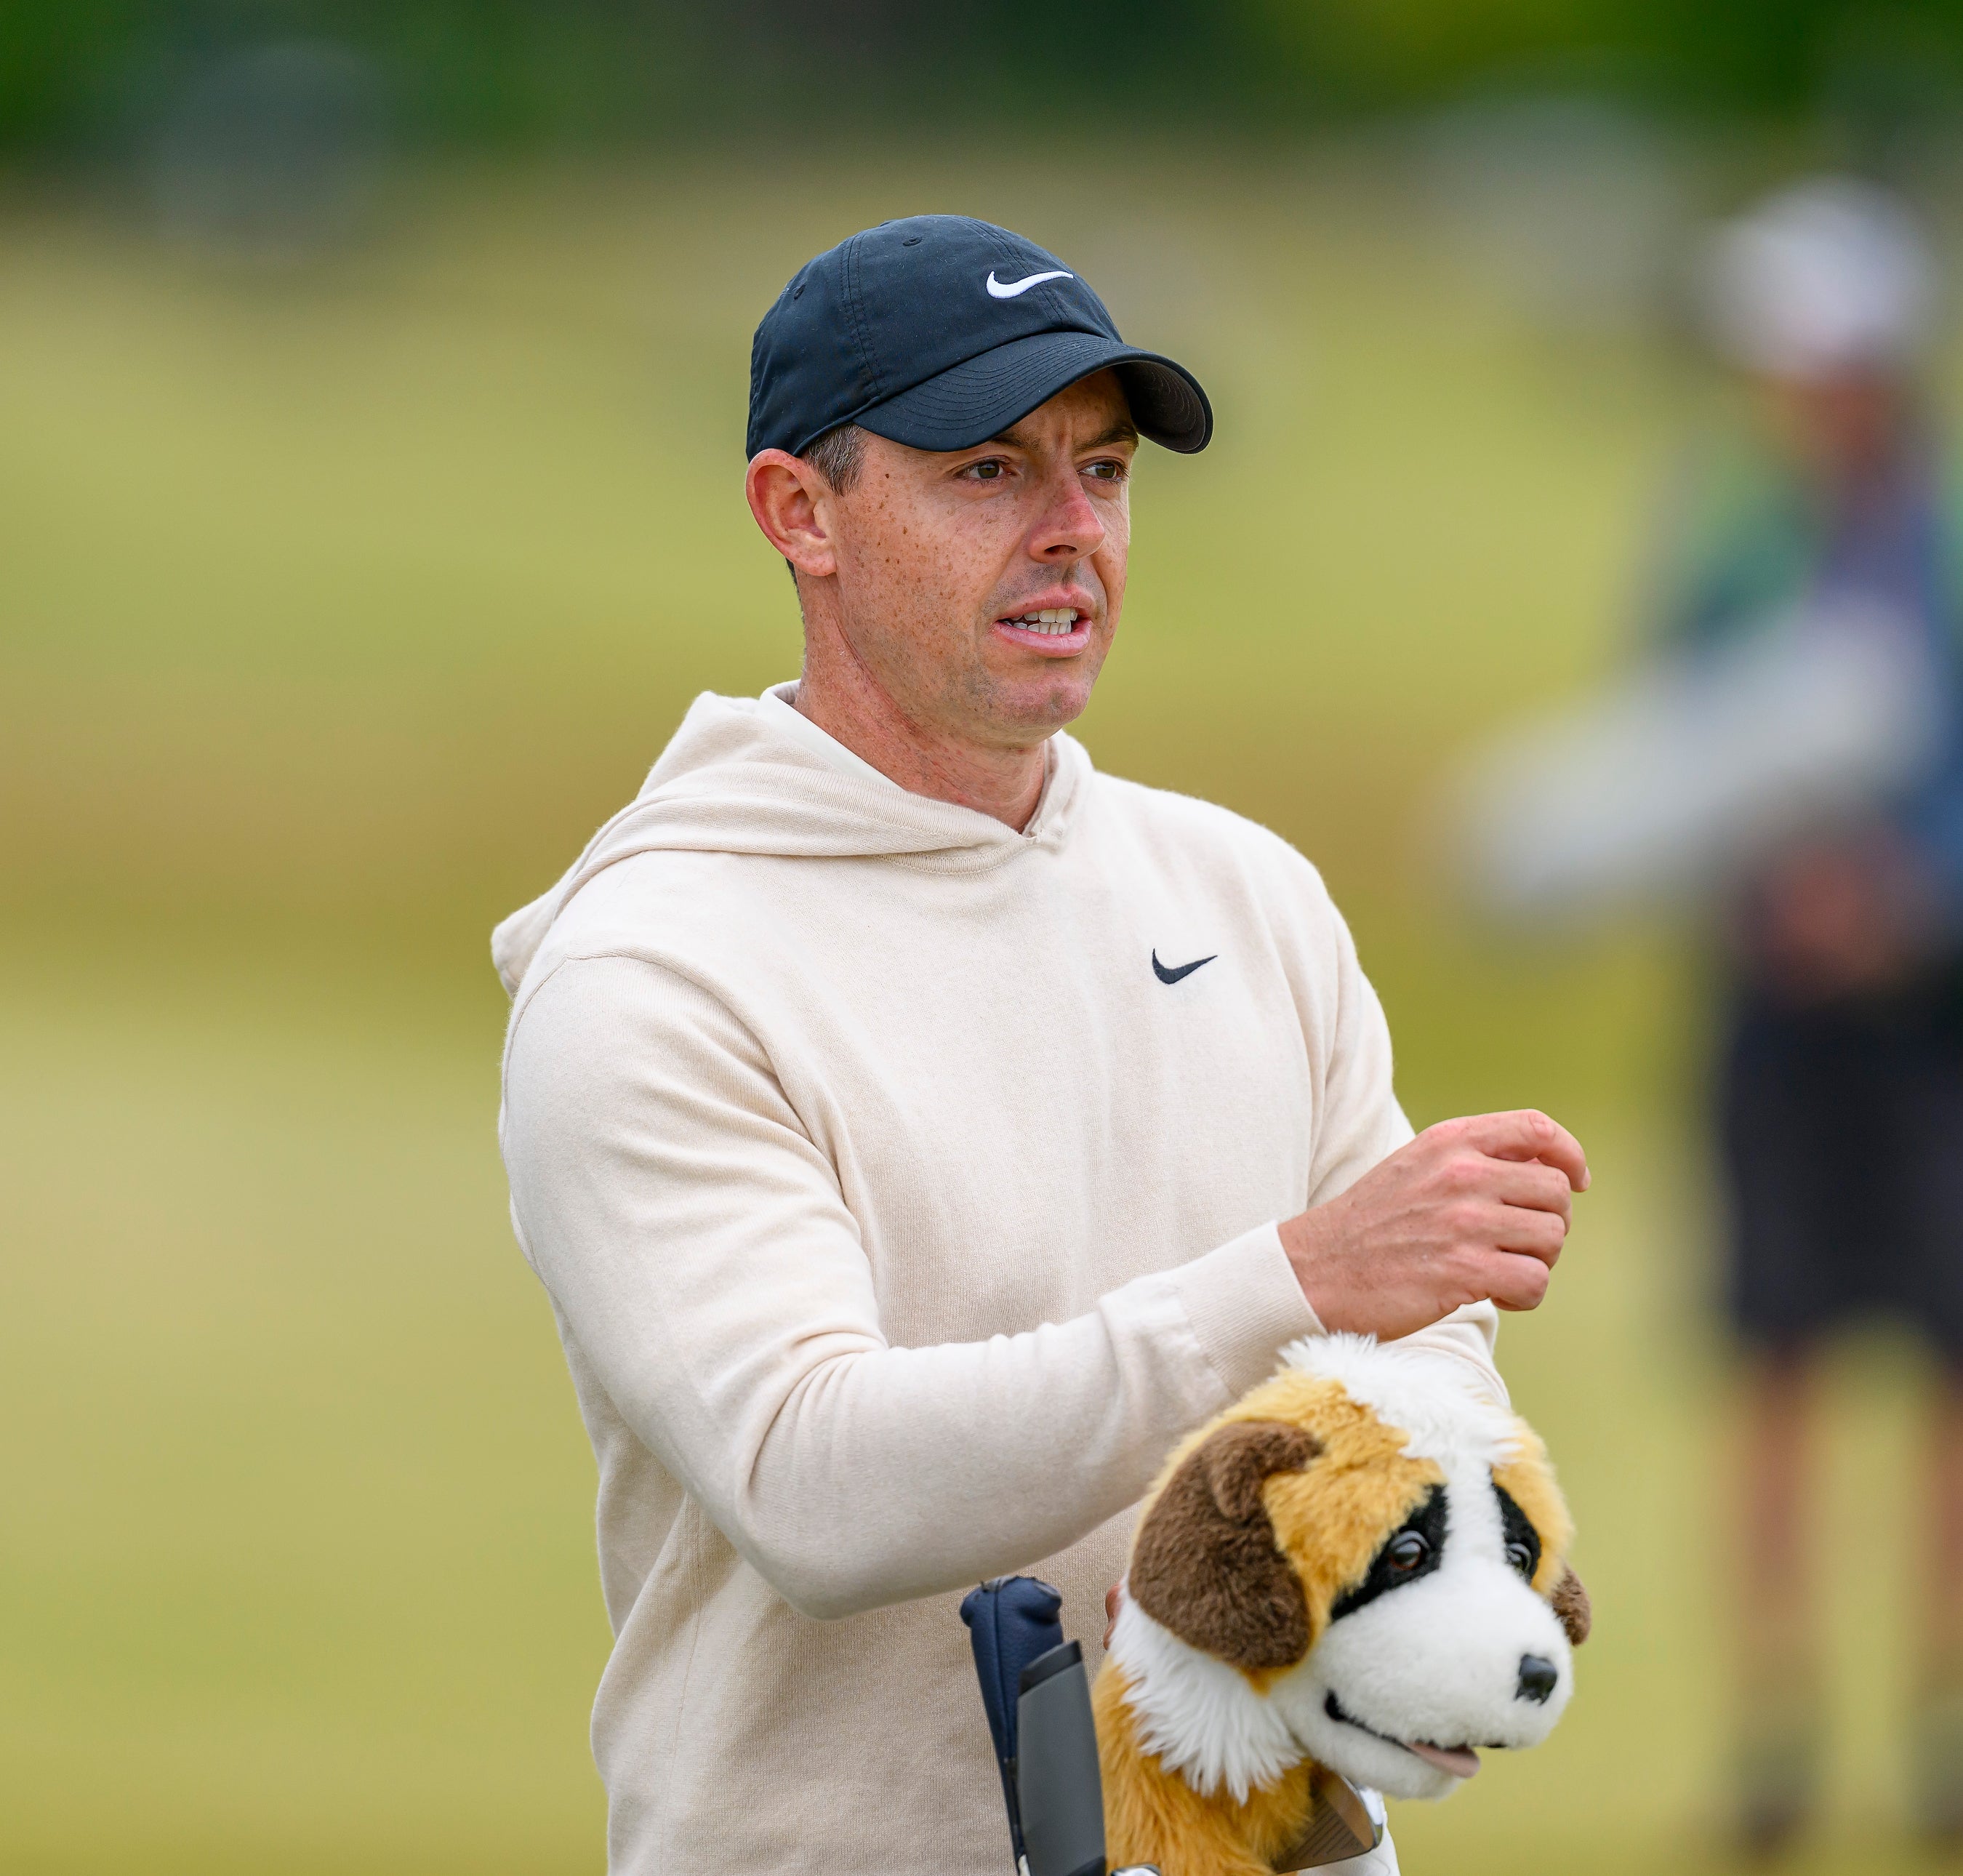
(1467, 1335)
(1245, 1306)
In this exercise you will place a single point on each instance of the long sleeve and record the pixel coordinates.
(697, 1241)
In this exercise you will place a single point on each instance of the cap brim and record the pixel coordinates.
(982, 396)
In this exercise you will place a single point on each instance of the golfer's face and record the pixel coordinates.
(984, 585)
(1842, 426)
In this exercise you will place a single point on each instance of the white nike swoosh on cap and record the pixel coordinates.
(1008, 290)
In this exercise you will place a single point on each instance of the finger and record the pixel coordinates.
(1514, 1282)
(1529, 1234)
(1528, 1134)
(1532, 1187)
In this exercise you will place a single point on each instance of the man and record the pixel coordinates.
(1840, 1071)
(900, 1113)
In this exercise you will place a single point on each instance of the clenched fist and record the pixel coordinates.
(1470, 1209)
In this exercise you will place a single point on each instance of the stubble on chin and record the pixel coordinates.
(1015, 710)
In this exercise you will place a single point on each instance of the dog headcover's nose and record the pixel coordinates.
(1539, 1678)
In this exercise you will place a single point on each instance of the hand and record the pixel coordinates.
(1470, 1209)
(1114, 1600)
(1847, 918)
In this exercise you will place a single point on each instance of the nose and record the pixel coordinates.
(1070, 529)
(1539, 1678)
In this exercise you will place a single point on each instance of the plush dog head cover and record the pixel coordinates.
(1363, 1562)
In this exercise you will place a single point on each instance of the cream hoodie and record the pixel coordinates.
(898, 1217)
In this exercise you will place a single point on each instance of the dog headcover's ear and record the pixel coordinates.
(1571, 1607)
(1206, 1565)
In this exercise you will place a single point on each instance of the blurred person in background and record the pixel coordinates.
(1840, 1070)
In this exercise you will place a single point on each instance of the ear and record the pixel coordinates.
(790, 501)
(1571, 1607)
(1205, 1564)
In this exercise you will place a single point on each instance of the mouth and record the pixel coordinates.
(1055, 631)
(1461, 1762)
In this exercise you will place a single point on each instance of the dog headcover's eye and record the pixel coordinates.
(1206, 1565)
(1407, 1551)
(1521, 1539)
(1517, 1533)
(1415, 1549)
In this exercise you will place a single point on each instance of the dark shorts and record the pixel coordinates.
(1842, 1129)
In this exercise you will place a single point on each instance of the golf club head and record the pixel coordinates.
(1345, 1824)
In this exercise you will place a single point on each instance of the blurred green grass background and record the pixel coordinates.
(340, 604)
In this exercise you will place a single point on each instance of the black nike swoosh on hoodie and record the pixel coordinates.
(1178, 971)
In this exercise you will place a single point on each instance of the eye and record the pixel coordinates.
(990, 469)
(1409, 1555)
(1520, 1541)
(1107, 471)
(1407, 1551)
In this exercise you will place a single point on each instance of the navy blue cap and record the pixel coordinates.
(940, 331)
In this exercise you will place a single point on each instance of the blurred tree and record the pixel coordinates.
(1379, 52)
(523, 70)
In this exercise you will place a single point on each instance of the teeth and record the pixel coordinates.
(1052, 620)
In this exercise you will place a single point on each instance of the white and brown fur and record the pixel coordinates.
(1268, 1626)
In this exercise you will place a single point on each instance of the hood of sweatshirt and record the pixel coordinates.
(747, 775)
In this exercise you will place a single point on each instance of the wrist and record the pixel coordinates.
(1304, 1243)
